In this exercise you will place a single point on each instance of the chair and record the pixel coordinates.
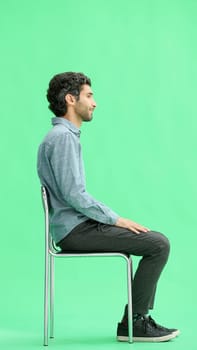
(51, 252)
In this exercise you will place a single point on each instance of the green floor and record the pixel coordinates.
(88, 308)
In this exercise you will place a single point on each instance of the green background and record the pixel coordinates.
(139, 152)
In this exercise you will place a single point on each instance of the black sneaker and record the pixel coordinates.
(145, 329)
(172, 330)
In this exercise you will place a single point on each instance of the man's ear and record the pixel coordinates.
(70, 99)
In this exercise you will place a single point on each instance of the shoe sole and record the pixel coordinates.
(176, 333)
(148, 339)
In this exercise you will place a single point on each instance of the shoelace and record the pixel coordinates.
(153, 323)
(147, 321)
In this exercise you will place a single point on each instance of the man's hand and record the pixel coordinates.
(131, 225)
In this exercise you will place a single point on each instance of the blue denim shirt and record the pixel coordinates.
(60, 169)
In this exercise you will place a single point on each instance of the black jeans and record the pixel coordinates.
(92, 236)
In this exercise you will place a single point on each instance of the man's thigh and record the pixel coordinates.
(94, 236)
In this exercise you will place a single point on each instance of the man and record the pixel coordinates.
(78, 222)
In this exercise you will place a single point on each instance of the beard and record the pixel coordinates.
(85, 113)
(86, 117)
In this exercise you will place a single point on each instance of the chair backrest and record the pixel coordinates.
(49, 243)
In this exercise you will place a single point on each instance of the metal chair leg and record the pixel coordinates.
(51, 296)
(129, 287)
(46, 288)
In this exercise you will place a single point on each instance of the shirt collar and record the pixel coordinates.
(67, 124)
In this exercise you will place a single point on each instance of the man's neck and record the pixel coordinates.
(73, 119)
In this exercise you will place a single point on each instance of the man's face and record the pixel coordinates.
(85, 106)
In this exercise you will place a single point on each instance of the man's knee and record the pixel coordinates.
(162, 244)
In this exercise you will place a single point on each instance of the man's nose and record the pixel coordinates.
(94, 104)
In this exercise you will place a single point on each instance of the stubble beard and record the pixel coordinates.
(86, 116)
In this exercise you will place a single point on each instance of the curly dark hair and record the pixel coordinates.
(61, 85)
